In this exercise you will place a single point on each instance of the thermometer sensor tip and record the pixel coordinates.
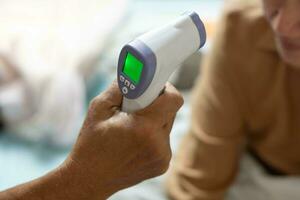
(200, 26)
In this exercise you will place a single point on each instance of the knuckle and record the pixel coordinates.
(99, 101)
(94, 102)
(163, 166)
(177, 99)
(159, 160)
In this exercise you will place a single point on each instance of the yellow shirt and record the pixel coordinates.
(246, 97)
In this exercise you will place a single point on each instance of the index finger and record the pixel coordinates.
(108, 101)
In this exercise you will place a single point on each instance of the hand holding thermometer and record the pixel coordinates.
(146, 63)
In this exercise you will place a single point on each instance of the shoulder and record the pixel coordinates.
(244, 23)
(240, 31)
(245, 39)
(243, 54)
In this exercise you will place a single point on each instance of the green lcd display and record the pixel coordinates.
(133, 68)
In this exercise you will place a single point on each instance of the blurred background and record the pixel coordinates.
(55, 56)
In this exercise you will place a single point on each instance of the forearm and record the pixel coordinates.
(46, 187)
(61, 183)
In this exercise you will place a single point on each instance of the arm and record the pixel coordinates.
(114, 150)
(207, 160)
(61, 183)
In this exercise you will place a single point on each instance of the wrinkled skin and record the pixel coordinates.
(116, 150)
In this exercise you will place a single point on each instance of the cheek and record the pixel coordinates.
(292, 58)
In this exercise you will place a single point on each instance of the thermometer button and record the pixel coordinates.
(127, 83)
(132, 87)
(122, 78)
(125, 90)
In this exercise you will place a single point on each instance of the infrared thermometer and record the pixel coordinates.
(146, 63)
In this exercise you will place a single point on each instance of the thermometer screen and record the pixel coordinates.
(133, 68)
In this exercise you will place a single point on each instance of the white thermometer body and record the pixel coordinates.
(146, 63)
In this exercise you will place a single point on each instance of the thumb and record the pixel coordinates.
(108, 101)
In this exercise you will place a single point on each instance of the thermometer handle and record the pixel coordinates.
(131, 106)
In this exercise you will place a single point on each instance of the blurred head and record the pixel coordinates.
(284, 17)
